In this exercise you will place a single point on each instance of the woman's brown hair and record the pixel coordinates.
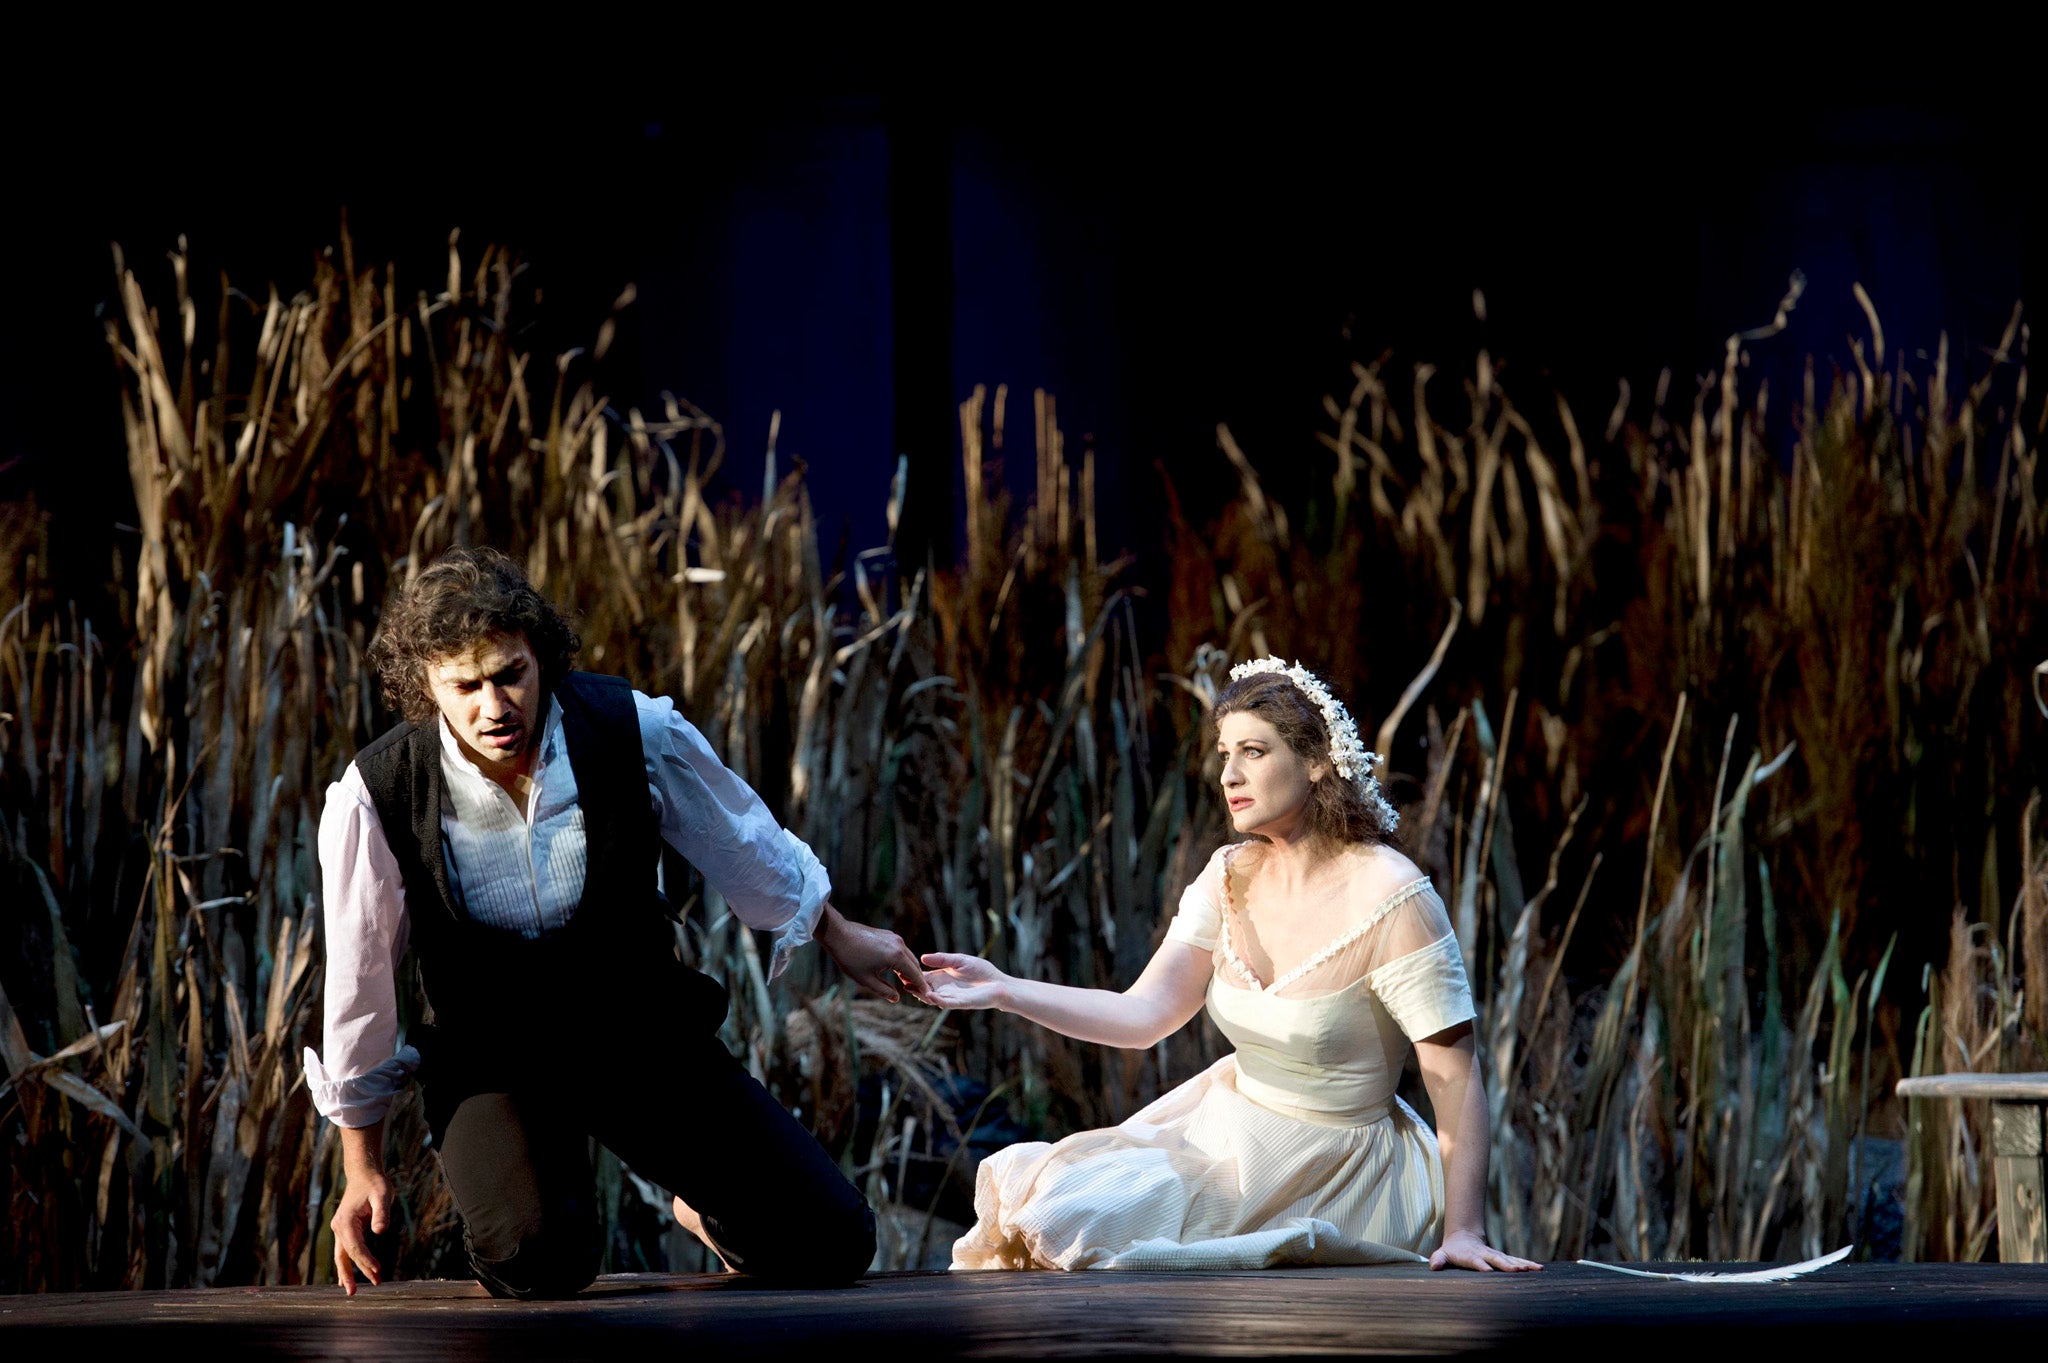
(463, 598)
(1338, 811)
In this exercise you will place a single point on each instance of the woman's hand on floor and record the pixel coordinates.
(1463, 1249)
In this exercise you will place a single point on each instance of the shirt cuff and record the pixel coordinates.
(797, 932)
(363, 1099)
(801, 928)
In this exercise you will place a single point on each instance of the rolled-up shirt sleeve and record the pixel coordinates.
(766, 874)
(360, 1067)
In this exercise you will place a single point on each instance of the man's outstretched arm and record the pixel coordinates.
(769, 878)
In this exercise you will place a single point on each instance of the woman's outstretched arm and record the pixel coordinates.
(1458, 1094)
(1168, 994)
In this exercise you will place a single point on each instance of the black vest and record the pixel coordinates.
(614, 962)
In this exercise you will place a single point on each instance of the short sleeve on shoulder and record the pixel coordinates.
(1201, 906)
(1426, 991)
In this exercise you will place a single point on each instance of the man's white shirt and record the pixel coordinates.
(522, 871)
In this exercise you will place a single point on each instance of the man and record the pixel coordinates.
(506, 834)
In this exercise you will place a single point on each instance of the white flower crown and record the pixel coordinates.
(1352, 759)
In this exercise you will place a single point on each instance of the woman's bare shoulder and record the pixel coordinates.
(1379, 871)
(1244, 857)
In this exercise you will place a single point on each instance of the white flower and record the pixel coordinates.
(1352, 759)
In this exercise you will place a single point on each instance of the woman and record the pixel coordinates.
(1322, 953)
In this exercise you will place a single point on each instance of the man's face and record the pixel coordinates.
(491, 698)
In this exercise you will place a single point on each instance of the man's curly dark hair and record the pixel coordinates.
(463, 598)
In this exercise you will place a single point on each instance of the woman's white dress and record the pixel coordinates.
(1293, 1150)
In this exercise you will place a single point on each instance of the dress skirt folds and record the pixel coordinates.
(1292, 1150)
(1207, 1178)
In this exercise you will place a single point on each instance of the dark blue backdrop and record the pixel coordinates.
(1162, 252)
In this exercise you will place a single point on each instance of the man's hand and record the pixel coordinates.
(365, 1208)
(875, 959)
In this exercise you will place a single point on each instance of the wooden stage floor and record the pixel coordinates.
(1932, 1310)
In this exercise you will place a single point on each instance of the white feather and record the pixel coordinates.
(1783, 1273)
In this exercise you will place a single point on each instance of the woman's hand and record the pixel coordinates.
(1463, 1249)
(963, 981)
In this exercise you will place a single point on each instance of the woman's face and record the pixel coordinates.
(1265, 782)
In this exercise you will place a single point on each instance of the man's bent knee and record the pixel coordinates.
(546, 1259)
(843, 1248)
(852, 1252)
(831, 1251)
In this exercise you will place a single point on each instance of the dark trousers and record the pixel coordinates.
(513, 1136)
